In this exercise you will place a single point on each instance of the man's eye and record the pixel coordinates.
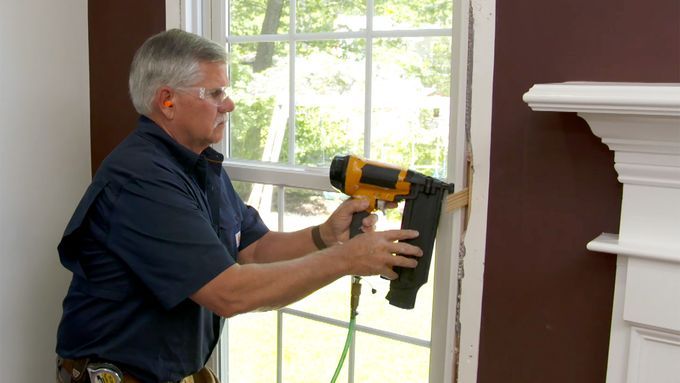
(218, 94)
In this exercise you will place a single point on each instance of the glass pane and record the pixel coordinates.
(264, 198)
(252, 347)
(388, 361)
(305, 208)
(330, 15)
(255, 17)
(410, 115)
(374, 309)
(329, 98)
(311, 350)
(260, 87)
(410, 14)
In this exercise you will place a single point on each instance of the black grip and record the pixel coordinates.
(422, 214)
(355, 226)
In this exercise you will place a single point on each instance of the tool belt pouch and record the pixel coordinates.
(72, 371)
(104, 373)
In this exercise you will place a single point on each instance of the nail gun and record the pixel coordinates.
(380, 183)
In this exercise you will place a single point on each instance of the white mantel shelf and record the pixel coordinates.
(640, 122)
(604, 97)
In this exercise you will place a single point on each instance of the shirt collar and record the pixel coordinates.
(184, 156)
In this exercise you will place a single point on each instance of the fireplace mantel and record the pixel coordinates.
(641, 124)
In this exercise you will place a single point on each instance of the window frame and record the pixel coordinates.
(194, 16)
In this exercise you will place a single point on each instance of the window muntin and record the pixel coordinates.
(374, 74)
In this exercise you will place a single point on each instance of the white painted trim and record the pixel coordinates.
(603, 97)
(173, 14)
(609, 243)
(619, 335)
(641, 341)
(317, 36)
(195, 16)
(481, 91)
(444, 327)
(218, 21)
(281, 175)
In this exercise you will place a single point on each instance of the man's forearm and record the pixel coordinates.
(244, 288)
(279, 246)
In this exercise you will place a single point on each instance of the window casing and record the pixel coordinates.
(283, 170)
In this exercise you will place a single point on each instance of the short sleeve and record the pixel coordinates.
(166, 238)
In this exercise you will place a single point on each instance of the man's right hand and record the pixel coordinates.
(376, 253)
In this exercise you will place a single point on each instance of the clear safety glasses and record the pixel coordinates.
(215, 96)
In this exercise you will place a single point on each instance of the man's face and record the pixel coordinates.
(201, 113)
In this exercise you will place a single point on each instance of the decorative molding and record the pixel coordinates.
(639, 122)
(653, 355)
(602, 97)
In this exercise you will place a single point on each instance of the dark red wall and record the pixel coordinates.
(116, 29)
(547, 300)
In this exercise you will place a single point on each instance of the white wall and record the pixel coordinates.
(44, 169)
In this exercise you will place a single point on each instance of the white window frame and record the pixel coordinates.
(445, 316)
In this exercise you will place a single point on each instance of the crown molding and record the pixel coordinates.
(639, 122)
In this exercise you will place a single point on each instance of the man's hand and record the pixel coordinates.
(336, 228)
(373, 253)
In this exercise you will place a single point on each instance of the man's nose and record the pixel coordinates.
(227, 105)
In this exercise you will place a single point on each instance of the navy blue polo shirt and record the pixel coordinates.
(157, 223)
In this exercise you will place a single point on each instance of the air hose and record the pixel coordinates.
(354, 303)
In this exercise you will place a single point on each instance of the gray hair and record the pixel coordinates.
(170, 58)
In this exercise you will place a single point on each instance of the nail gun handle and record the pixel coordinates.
(355, 226)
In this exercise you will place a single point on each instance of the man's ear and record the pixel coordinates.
(165, 102)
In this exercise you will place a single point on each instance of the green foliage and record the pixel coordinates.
(434, 69)
(249, 128)
(326, 15)
(421, 13)
(247, 17)
(319, 137)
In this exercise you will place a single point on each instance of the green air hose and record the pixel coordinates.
(354, 303)
(348, 342)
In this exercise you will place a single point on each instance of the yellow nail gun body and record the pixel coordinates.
(378, 182)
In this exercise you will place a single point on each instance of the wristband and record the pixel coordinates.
(316, 237)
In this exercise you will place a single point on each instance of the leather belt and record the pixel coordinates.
(75, 371)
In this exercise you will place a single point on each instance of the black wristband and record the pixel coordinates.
(316, 237)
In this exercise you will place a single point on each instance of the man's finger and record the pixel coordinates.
(405, 249)
(389, 274)
(396, 235)
(370, 221)
(357, 204)
(405, 262)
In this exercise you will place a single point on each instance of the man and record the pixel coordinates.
(161, 247)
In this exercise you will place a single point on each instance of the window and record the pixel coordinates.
(313, 79)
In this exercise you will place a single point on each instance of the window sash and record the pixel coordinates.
(213, 23)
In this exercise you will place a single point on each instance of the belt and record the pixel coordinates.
(75, 371)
